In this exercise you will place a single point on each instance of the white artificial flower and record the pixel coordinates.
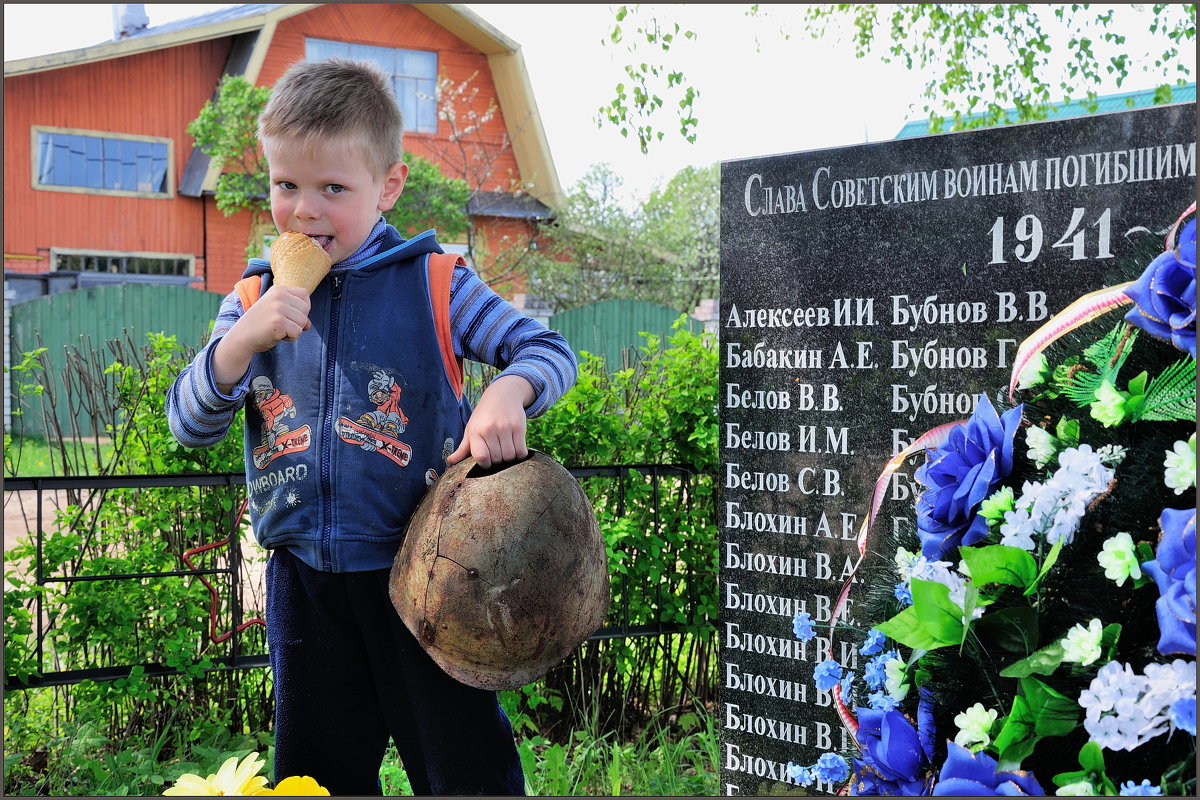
(1034, 372)
(1119, 559)
(1180, 466)
(1053, 509)
(896, 676)
(1042, 445)
(1077, 789)
(974, 727)
(904, 563)
(1082, 645)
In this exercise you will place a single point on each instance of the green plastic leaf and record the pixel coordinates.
(1067, 432)
(1054, 714)
(1051, 557)
(1013, 629)
(936, 611)
(1015, 740)
(1038, 712)
(1042, 662)
(1000, 563)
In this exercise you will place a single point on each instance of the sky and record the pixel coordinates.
(760, 92)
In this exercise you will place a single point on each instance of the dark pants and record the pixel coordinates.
(348, 675)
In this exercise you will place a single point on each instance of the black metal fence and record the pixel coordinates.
(619, 624)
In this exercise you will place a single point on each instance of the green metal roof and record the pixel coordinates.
(1106, 103)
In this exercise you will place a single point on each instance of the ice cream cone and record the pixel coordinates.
(297, 260)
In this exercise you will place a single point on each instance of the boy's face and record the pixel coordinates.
(327, 191)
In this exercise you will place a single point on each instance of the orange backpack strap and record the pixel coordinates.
(441, 271)
(248, 290)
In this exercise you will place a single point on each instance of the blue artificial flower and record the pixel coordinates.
(831, 768)
(881, 701)
(904, 593)
(801, 775)
(1182, 714)
(827, 674)
(874, 642)
(847, 684)
(1165, 295)
(926, 727)
(967, 773)
(959, 475)
(802, 626)
(1174, 570)
(893, 760)
(876, 671)
(1143, 789)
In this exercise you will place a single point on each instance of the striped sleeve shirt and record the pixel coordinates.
(484, 326)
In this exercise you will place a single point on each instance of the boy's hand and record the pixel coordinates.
(496, 431)
(280, 315)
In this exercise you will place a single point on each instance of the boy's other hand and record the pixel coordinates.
(495, 433)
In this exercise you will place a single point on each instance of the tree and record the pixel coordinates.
(664, 251)
(982, 59)
(472, 154)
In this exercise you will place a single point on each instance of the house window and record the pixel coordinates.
(122, 263)
(414, 76)
(101, 163)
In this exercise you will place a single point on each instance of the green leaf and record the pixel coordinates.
(1067, 432)
(1010, 566)
(1054, 714)
(932, 620)
(1051, 557)
(1038, 711)
(1014, 629)
(1015, 740)
(1043, 662)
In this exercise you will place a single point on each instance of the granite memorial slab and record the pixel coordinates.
(868, 294)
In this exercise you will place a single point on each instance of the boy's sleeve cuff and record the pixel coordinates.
(215, 396)
(542, 398)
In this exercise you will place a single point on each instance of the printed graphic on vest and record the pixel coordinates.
(431, 475)
(277, 438)
(376, 430)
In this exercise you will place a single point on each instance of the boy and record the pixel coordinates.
(374, 413)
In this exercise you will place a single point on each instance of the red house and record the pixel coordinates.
(101, 175)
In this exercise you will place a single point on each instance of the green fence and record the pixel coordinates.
(611, 328)
(86, 319)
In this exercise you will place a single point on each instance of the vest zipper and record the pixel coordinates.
(335, 296)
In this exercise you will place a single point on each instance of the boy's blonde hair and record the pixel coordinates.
(337, 97)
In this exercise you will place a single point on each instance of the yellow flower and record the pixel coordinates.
(302, 786)
(233, 778)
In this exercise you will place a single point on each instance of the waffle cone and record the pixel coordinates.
(297, 260)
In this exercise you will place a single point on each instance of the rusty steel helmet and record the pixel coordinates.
(503, 571)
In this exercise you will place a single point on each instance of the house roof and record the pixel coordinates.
(1105, 104)
(253, 26)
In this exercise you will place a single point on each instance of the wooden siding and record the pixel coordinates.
(395, 25)
(107, 96)
(228, 238)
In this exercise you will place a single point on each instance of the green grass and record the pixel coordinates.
(679, 763)
(32, 457)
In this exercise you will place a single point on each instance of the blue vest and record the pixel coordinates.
(348, 426)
